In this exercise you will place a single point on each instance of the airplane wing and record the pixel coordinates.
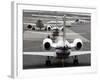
(41, 53)
(75, 53)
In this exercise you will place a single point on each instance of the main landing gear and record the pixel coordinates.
(48, 61)
(75, 60)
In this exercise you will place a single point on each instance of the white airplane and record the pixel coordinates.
(51, 25)
(82, 21)
(62, 49)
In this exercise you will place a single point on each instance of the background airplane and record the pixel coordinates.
(51, 25)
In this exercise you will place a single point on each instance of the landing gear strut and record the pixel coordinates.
(63, 62)
(75, 60)
(48, 61)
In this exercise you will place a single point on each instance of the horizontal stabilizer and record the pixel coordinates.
(74, 53)
(41, 53)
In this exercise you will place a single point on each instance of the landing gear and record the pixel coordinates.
(63, 62)
(75, 60)
(48, 61)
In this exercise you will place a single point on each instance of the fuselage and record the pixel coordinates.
(63, 52)
(62, 49)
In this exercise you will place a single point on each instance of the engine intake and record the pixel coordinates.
(78, 44)
(47, 44)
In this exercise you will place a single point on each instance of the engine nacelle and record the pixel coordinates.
(48, 27)
(78, 44)
(47, 44)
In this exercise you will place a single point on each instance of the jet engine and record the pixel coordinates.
(78, 44)
(47, 44)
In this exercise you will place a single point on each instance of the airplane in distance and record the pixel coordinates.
(59, 24)
(51, 25)
(62, 49)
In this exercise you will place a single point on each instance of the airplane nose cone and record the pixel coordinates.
(63, 53)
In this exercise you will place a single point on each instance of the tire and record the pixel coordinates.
(33, 28)
(75, 61)
(48, 62)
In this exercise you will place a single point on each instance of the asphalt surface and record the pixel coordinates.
(32, 42)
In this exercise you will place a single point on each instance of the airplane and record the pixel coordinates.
(62, 49)
(82, 21)
(51, 25)
(33, 26)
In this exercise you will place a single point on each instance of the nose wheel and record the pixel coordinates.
(75, 60)
(48, 61)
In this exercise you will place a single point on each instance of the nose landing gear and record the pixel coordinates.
(48, 61)
(75, 60)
